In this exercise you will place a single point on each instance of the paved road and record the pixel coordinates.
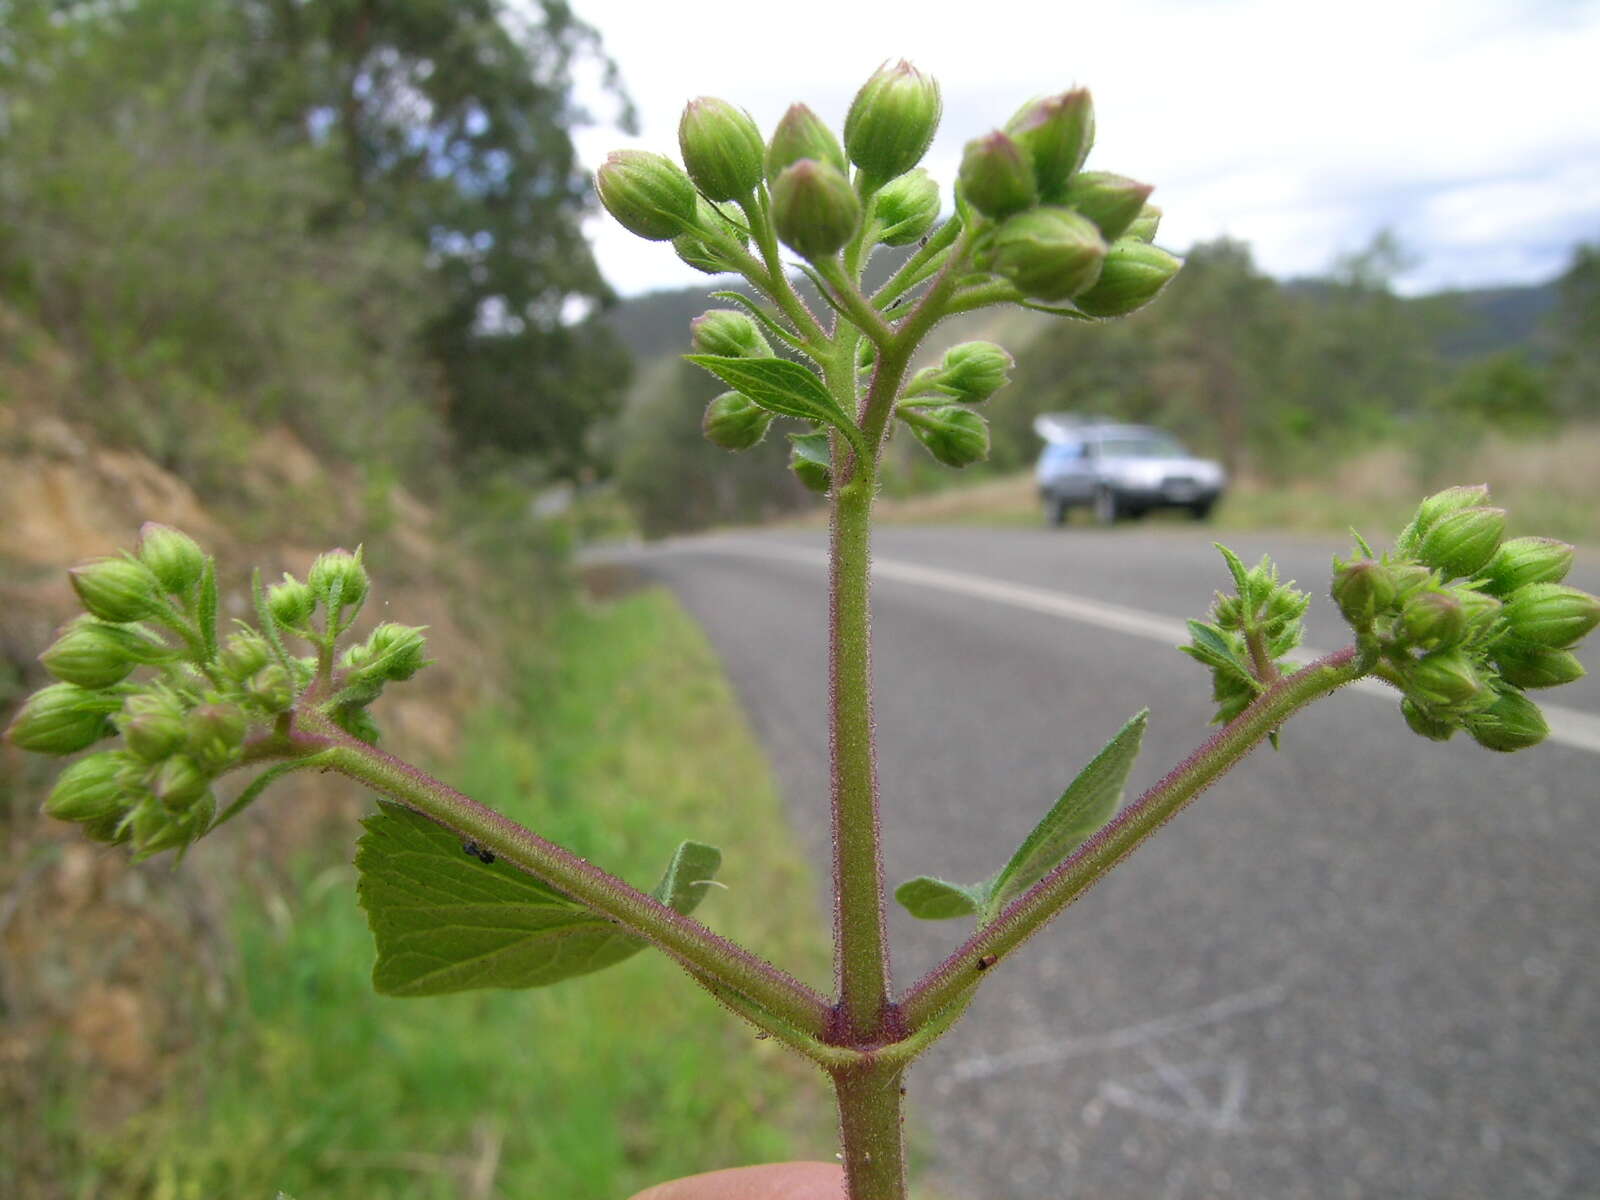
(1363, 967)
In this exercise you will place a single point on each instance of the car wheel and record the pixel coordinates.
(1202, 510)
(1107, 508)
(1056, 510)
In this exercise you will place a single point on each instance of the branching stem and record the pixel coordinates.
(1024, 916)
(701, 951)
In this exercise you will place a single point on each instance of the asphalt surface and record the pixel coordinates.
(1364, 966)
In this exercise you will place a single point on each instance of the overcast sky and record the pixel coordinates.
(1469, 127)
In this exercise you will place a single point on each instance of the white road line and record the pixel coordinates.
(1568, 726)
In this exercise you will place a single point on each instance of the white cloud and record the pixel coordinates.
(1470, 127)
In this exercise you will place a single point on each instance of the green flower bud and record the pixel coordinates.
(1438, 505)
(175, 558)
(811, 459)
(1433, 620)
(1424, 723)
(1362, 589)
(1512, 722)
(62, 718)
(996, 177)
(291, 602)
(1133, 274)
(243, 654)
(1049, 253)
(648, 194)
(93, 655)
(338, 572)
(1445, 679)
(801, 134)
(1056, 134)
(117, 589)
(398, 651)
(954, 435)
(728, 333)
(814, 209)
(272, 689)
(970, 373)
(1525, 666)
(153, 735)
(91, 789)
(179, 782)
(722, 148)
(1145, 224)
(1526, 560)
(1411, 577)
(355, 720)
(892, 121)
(155, 829)
(906, 208)
(1462, 542)
(1112, 202)
(735, 422)
(1481, 611)
(1551, 614)
(693, 251)
(215, 733)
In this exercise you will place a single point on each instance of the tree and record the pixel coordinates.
(452, 120)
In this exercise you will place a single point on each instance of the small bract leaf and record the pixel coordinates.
(1086, 805)
(933, 899)
(1215, 649)
(448, 922)
(777, 385)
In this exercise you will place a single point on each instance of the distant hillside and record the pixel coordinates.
(1497, 319)
(1467, 323)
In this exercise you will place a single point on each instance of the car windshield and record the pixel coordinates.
(1144, 445)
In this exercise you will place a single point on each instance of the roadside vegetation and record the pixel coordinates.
(618, 742)
(237, 296)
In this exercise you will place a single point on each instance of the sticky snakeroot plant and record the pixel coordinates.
(1461, 622)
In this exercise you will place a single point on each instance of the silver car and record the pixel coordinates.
(1120, 471)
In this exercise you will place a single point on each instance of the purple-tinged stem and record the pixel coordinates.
(703, 952)
(954, 977)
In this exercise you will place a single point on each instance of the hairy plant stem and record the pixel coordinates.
(701, 951)
(953, 978)
(863, 956)
(870, 1130)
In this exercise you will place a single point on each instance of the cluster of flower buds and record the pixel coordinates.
(187, 717)
(815, 208)
(1250, 635)
(1056, 232)
(1466, 622)
(968, 374)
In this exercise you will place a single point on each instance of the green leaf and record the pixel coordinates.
(206, 610)
(1214, 648)
(777, 385)
(269, 624)
(1086, 805)
(1236, 568)
(446, 922)
(760, 314)
(938, 899)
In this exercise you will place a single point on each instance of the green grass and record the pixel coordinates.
(623, 745)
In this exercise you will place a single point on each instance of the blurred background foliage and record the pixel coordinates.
(1294, 382)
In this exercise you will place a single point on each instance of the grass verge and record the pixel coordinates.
(624, 742)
